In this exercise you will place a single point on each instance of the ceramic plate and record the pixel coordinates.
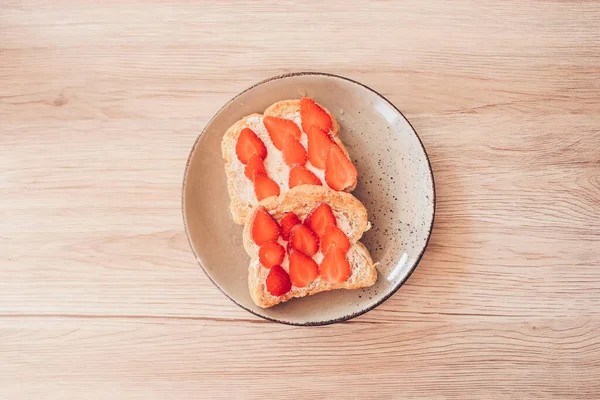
(395, 183)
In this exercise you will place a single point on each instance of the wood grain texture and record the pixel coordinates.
(100, 296)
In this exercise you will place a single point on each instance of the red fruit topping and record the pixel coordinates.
(264, 227)
(319, 143)
(265, 187)
(304, 239)
(248, 144)
(334, 237)
(278, 128)
(312, 114)
(334, 267)
(303, 269)
(278, 281)
(271, 254)
(287, 222)
(340, 173)
(255, 166)
(301, 176)
(320, 219)
(293, 152)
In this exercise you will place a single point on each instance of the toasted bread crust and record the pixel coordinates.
(240, 209)
(302, 200)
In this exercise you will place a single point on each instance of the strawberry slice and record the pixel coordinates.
(340, 173)
(264, 227)
(265, 187)
(304, 239)
(248, 144)
(334, 266)
(293, 152)
(255, 166)
(271, 254)
(303, 269)
(312, 114)
(278, 281)
(334, 237)
(287, 222)
(279, 128)
(320, 219)
(319, 143)
(301, 176)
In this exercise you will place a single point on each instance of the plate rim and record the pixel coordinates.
(345, 317)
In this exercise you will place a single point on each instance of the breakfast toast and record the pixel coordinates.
(304, 242)
(295, 142)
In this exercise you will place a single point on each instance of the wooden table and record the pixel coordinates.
(101, 298)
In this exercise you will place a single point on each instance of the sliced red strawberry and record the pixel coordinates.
(303, 269)
(278, 128)
(319, 143)
(334, 237)
(340, 173)
(271, 254)
(312, 114)
(255, 166)
(264, 227)
(287, 222)
(293, 152)
(304, 239)
(278, 281)
(248, 144)
(265, 187)
(334, 267)
(301, 176)
(320, 219)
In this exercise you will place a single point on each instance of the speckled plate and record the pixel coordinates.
(395, 183)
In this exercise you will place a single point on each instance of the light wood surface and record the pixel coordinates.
(101, 298)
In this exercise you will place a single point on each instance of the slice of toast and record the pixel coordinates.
(241, 189)
(351, 218)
